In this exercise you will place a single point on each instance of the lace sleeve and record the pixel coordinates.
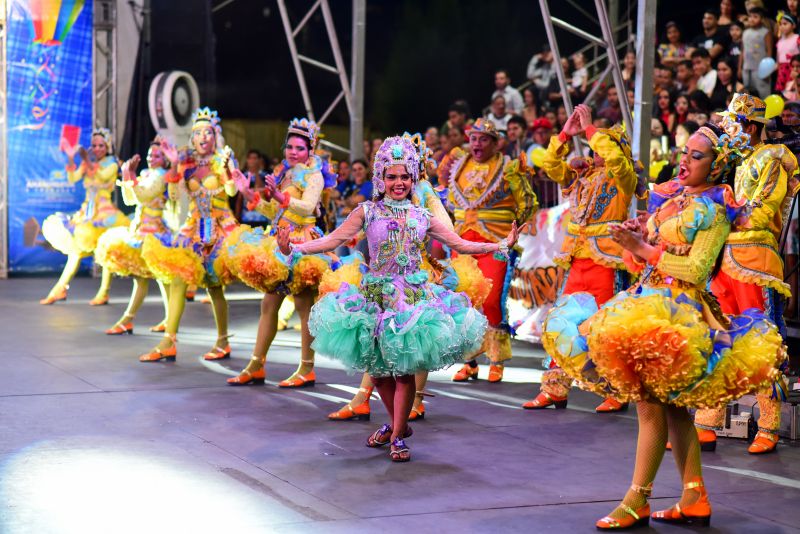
(446, 236)
(347, 231)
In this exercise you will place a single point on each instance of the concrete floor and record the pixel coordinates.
(93, 441)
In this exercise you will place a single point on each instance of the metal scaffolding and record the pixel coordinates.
(352, 89)
(644, 37)
(104, 113)
(3, 149)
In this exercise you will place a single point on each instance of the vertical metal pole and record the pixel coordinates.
(608, 37)
(551, 38)
(287, 27)
(337, 54)
(562, 80)
(357, 79)
(643, 100)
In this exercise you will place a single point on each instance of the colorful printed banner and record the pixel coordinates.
(49, 90)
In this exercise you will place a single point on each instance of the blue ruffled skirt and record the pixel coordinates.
(396, 325)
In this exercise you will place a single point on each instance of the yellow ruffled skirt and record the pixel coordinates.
(659, 343)
(253, 257)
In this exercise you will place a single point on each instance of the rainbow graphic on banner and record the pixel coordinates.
(53, 19)
(49, 90)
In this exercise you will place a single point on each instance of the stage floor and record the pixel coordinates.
(94, 441)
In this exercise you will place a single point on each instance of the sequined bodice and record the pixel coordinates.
(395, 233)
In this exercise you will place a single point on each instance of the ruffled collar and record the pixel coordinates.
(718, 194)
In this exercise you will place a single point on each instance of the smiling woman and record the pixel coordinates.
(396, 322)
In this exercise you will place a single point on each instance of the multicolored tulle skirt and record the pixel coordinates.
(396, 325)
(187, 258)
(73, 234)
(120, 251)
(252, 255)
(663, 343)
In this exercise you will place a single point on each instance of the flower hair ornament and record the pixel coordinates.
(426, 161)
(304, 128)
(394, 151)
(730, 149)
(105, 133)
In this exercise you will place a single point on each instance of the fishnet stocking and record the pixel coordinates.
(685, 450)
(650, 447)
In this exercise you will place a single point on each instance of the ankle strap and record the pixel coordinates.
(255, 358)
(694, 484)
(368, 391)
(643, 490)
(307, 361)
(172, 337)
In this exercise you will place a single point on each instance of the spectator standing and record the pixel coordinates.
(513, 98)
(673, 51)
(541, 72)
(580, 78)
(664, 79)
(790, 92)
(515, 133)
(714, 40)
(727, 15)
(685, 80)
(681, 105)
(787, 47)
(531, 110)
(701, 66)
(735, 32)
(610, 108)
(727, 84)
(255, 171)
(344, 183)
(665, 110)
(362, 187)
(498, 114)
(561, 117)
(757, 42)
(457, 117)
(542, 130)
(791, 9)
(629, 69)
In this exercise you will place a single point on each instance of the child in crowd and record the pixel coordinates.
(757, 44)
(790, 91)
(787, 48)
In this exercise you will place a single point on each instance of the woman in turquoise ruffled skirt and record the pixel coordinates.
(396, 322)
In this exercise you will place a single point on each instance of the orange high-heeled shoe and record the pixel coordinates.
(156, 355)
(417, 412)
(160, 327)
(765, 442)
(54, 297)
(496, 373)
(119, 329)
(610, 405)
(634, 518)
(698, 513)
(545, 400)
(299, 381)
(465, 373)
(707, 439)
(217, 353)
(357, 413)
(99, 301)
(247, 378)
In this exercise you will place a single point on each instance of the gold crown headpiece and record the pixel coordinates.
(205, 116)
(305, 128)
